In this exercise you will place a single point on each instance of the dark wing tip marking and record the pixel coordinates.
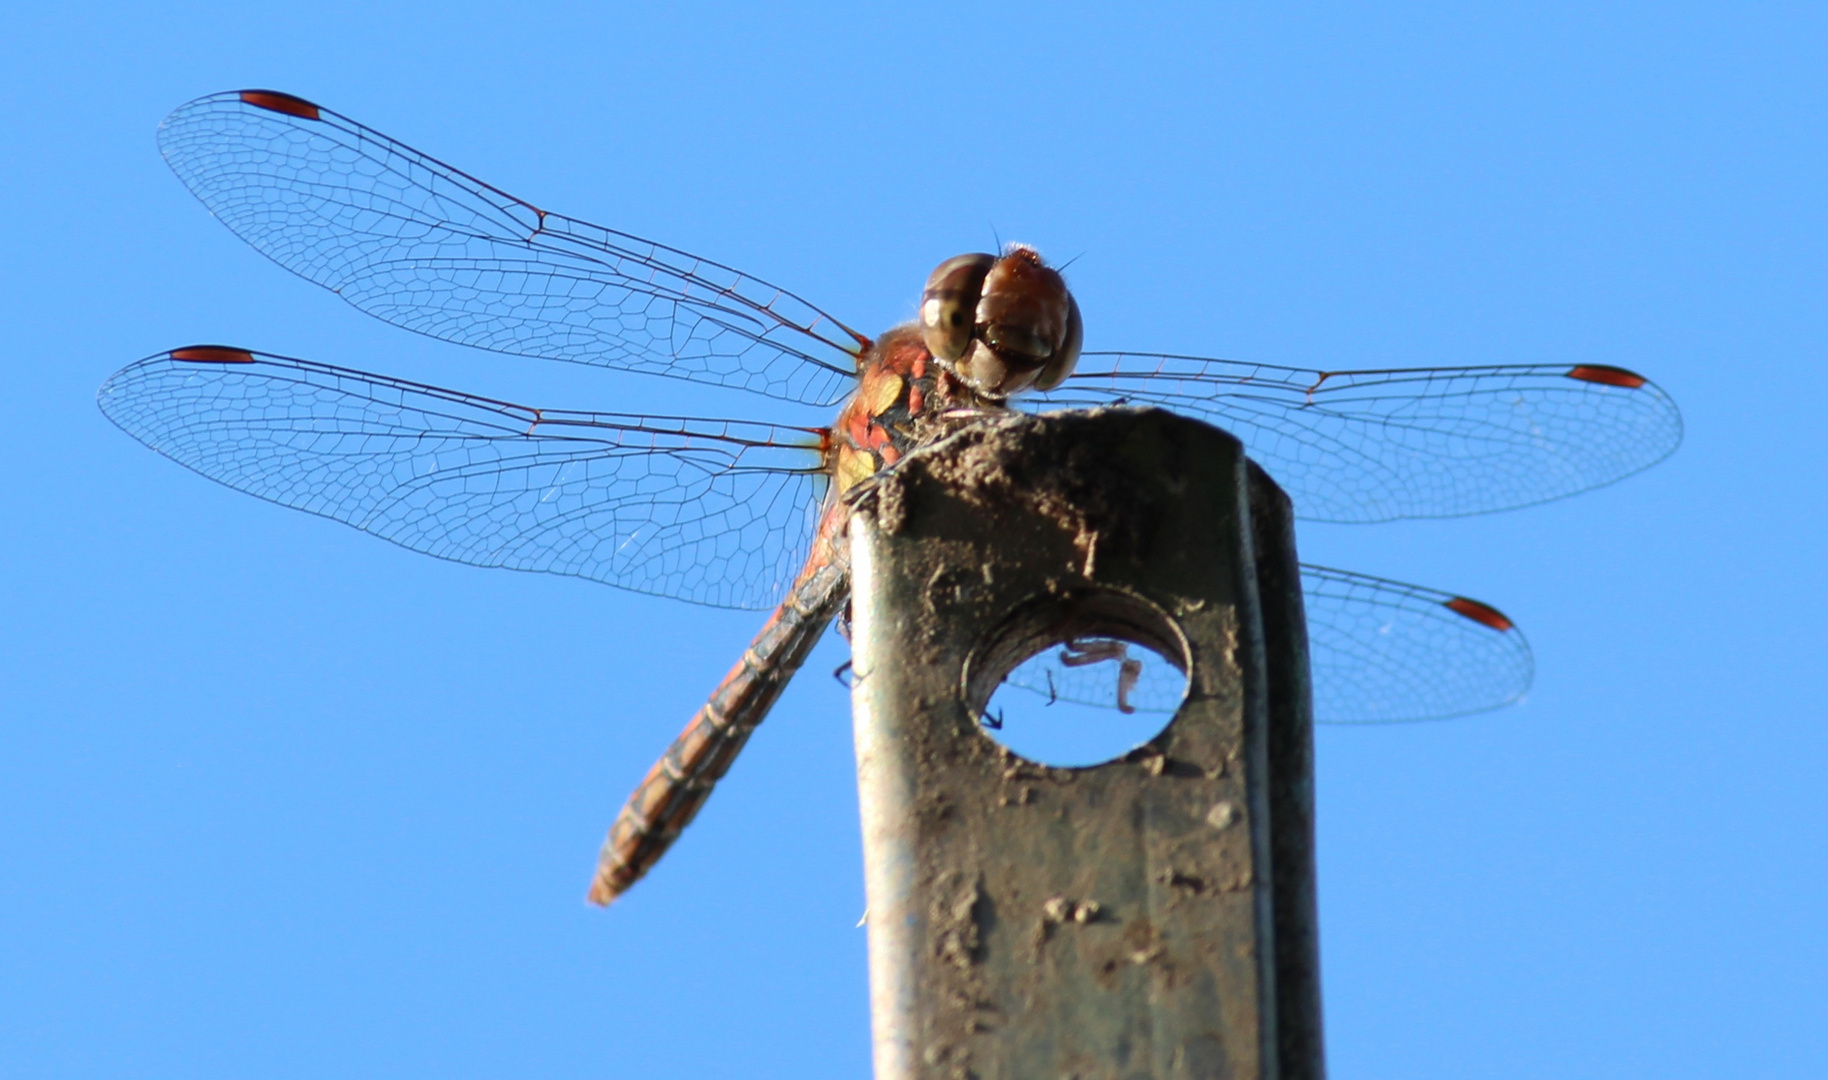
(213, 354)
(274, 101)
(1484, 614)
(1607, 375)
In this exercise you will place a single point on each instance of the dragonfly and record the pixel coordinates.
(751, 514)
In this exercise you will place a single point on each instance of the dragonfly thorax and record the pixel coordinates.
(1003, 324)
(904, 399)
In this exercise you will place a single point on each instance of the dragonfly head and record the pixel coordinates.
(1003, 323)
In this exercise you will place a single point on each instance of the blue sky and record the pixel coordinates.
(279, 799)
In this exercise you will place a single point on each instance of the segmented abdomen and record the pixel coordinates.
(682, 779)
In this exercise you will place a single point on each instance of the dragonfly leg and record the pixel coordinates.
(1081, 652)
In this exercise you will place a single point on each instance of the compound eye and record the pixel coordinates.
(1061, 364)
(948, 306)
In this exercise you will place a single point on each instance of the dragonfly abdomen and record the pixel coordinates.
(680, 782)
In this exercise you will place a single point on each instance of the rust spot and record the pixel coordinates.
(213, 354)
(1606, 375)
(274, 101)
(1484, 614)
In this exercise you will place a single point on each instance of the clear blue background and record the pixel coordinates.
(280, 800)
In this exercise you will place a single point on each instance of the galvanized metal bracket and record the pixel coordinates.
(1152, 916)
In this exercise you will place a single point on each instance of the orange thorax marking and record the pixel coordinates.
(899, 391)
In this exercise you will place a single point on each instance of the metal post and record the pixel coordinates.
(1149, 917)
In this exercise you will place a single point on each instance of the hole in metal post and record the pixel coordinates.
(1079, 679)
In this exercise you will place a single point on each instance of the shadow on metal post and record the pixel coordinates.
(1152, 916)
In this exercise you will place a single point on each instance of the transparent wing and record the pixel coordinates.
(413, 241)
(1361, 446)
(1385, 652)
(717, 512)
(1380, 652)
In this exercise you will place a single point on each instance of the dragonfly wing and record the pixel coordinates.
(1379, 651)
(1385, 652)
(716, 512)
(1361, 446)
(422, 245)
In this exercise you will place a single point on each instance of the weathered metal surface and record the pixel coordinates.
(1148, 917)
(1291, 784)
